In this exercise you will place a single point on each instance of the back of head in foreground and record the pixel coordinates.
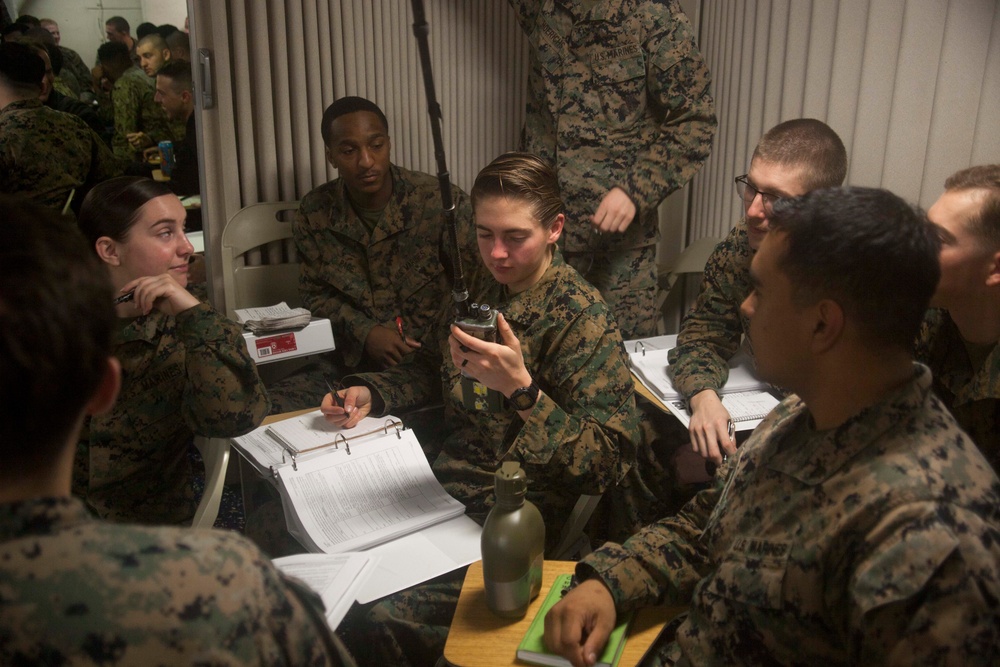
(56, 321)
(872, 252)
(76, 589)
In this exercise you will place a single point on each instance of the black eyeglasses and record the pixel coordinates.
(748, 192)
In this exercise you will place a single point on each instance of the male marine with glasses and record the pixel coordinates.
(791, 159)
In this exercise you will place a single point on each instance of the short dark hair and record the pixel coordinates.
(178, 71)
(346, 105)
(114, 53)
(153, 38)
(51, 50)
(865, 248)
(522, 177)
(166, 30)
(29, 20)
(21, 68)
(145, 29)
(112, 207)
(179, 40)
(809, 144)
(56, 324)
(986, 223)
(118, 23)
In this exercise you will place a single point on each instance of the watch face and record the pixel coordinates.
(525, 397)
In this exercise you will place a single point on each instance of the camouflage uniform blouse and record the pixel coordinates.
(617, 96)
(77, 591)
(135, 110)
(581, 435)
(710, 333)
(44, 154)
(361, 279)
(183, 375)
(874, 543)
(974, 398)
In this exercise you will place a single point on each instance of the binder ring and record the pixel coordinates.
(639, 346)
(336, 442)
(394, 424)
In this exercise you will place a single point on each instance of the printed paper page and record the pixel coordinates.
(347, 502)
(337, 578)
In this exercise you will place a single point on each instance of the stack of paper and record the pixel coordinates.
(747, 398)
(273, 318)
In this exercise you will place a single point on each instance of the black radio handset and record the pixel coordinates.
(479, 320)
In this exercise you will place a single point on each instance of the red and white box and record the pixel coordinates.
(315, 337)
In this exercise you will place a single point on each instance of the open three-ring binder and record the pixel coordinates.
(348, 489)
(746, 397)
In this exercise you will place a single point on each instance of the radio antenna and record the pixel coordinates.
(459, 292)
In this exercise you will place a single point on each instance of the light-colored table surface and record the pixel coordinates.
(478, 638)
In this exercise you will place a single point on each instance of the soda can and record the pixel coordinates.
(166, 157)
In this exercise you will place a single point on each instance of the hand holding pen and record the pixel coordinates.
(347, 410)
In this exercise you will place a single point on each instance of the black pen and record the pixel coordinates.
(336, 397)
(124, 298)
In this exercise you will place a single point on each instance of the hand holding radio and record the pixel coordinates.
(499, 366)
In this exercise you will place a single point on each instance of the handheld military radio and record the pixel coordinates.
(479, 320)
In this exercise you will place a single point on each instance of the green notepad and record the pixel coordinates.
(532, 647)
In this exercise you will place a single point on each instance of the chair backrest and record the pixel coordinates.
(670, 301)
(215, 454)
(258, 258)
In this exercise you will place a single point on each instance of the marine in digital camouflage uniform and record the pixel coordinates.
(959, 339)
(361, 278)
(76, 590)
(44, 154)
(875, 543)
(792, 158)
(618, 97)
(136, 111)
(860, 526)
(184, 376)
(74, 66)
(580, 438)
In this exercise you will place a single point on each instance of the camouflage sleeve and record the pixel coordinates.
(126, 98)
(223, 394)
(679, 102)
(936, 609)
(332, 289)
(710, 333)
(582, 433)
(155, 122)
(526, 11)
(103, 163)
(662, 562)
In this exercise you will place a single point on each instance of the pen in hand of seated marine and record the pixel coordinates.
(346, 407)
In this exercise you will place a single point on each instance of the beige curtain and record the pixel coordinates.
(912, 87)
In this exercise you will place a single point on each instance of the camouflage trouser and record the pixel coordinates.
(627, 281)
(406, 628)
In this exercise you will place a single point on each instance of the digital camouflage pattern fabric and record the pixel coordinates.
(618, 95)
(877, 542)
(183, 376)
(972, 395)
(580, 437)
(77, 591)
(46, 154)
(361, 279)
(136, 111)
(76, 71)
(710, 333)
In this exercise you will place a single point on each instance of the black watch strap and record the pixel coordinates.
(525, 397)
